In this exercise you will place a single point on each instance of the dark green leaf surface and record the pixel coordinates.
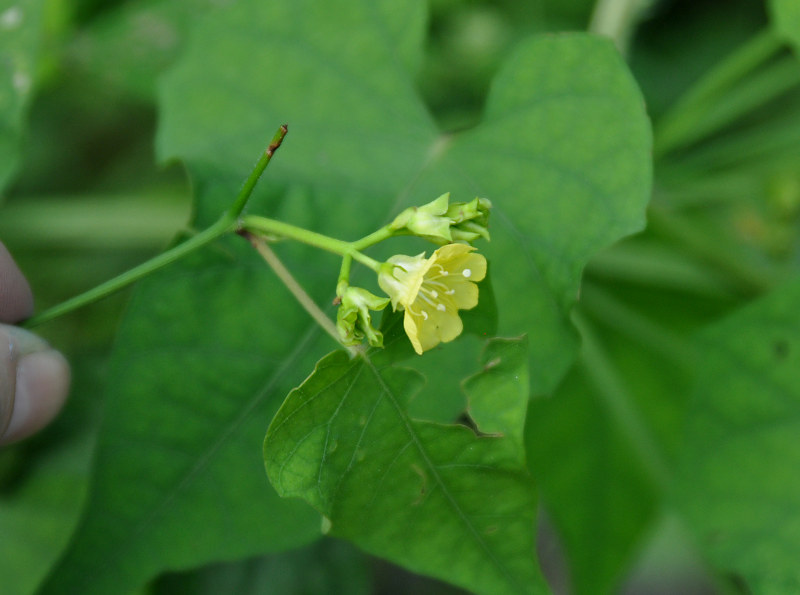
(594, 484)
(39, 506)
(20, 38)
(738, 484)
(327, 567)
(421, 494)
(178, 478)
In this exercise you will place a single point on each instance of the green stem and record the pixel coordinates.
(344, 275)
(300, 294)
(227, 223)
(383, 233)
(616, 19)
(676, 127)
(250, 183)
(105, 289)
(262, 225)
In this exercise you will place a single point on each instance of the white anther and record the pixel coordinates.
(440, 307)
(450, 292)
(434, 294)
(467, 273)
(424, 315)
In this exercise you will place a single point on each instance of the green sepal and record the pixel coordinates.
(428, 221)
(353, 319)
(470, 220)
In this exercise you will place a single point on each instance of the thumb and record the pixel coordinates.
(34, 381)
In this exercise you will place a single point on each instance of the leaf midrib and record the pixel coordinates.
(438, 480)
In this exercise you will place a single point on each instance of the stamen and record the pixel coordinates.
(424, 315)
(467, 273)
(438, 284)
(426, 298)
(441, 307)
(434, 294)
(450, 292)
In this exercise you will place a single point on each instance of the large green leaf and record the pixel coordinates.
(20, 39)
(563, 150)
(738, 483)
(178, 479)
(419, 493)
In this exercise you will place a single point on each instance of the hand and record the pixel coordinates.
(34, 378)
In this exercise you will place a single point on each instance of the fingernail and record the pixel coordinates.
(8, 376)
(34, 380)
(22, 341)
(42, 384)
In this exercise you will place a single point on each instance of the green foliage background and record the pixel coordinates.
(636, 413)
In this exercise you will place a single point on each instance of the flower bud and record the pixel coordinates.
(428, 221)
(353, 319)
(470, 219)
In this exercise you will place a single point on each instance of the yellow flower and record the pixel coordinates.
(432, 290)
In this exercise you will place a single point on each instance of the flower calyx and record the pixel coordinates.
(428, 221)
(353, 319)
(442, 222)
(470, 219)
(432, 290)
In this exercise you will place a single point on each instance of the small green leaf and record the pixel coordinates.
(738, 482)
(418, 493)
(498, 395)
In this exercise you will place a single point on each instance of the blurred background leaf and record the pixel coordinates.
(22, 35)
(737, 482)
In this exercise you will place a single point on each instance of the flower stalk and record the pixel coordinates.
(430, 291)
